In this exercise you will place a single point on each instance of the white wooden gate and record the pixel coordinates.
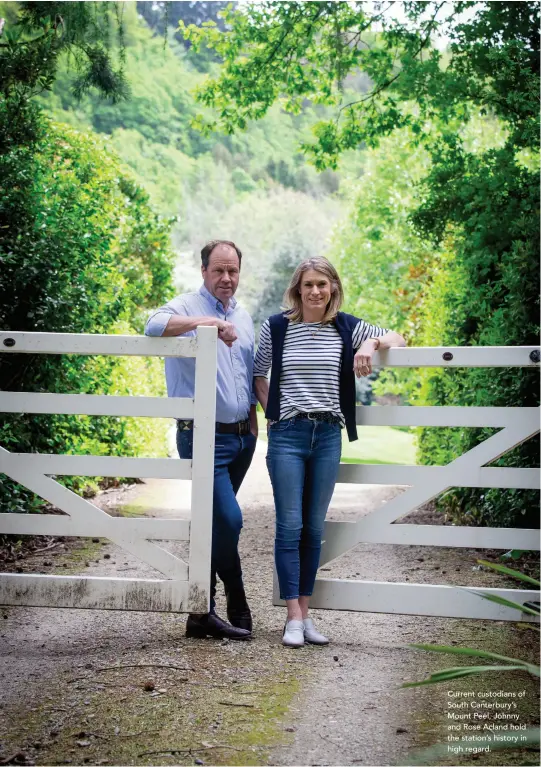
(186, 586)
(469, 470)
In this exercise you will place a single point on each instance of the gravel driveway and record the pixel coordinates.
(73, 689)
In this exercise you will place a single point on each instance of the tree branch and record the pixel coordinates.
(270, 58)
(389, 82)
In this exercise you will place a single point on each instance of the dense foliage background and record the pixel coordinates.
(256, 187)
(403, 145)
(106, 187)
(442, 241)
(82, 252)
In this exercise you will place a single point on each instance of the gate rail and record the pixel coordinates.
(426, 482)
(186, 586)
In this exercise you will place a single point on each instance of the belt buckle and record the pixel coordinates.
(312, 416)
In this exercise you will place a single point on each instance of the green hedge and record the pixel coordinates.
(444, 249)
(484, 291)
(81, 252)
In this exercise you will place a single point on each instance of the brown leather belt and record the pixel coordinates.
(240, 427)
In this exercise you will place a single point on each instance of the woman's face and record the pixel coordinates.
(315, 290)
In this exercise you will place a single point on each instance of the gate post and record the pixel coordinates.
(202, 470)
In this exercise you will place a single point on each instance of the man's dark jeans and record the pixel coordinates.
(232, 458)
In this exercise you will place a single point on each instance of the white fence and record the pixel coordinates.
(426, 482)
(186, 586)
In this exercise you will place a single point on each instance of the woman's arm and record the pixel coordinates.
(390, 339)
(262, 364)
(261, 386)
(362, 362)
(253, 420)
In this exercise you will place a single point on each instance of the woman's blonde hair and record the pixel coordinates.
(292, 296)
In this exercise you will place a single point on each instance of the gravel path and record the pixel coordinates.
(242, 703)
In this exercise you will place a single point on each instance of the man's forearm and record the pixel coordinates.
(261, 387)
(178, 325)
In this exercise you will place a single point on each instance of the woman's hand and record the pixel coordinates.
(254, 429)
(362, 362)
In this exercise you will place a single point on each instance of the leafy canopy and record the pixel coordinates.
(33, 40)
(301, 50)
(447, 233)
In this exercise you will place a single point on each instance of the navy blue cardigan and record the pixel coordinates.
(345, 324)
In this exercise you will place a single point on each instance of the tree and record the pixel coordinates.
(478, 210)
(80, 248)
(297, 51)
(81, 252)
(161, 15)
(33, 40)
(32, 44)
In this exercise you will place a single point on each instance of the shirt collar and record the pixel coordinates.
(215, 302)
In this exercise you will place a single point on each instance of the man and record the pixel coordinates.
(236, 427)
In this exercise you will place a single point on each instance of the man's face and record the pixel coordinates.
(221, 277)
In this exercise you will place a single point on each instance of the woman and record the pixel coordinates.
(315, 351)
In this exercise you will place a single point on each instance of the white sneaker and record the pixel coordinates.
(311, 635)
(293, 634)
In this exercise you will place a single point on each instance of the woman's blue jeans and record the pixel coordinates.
(303, 459)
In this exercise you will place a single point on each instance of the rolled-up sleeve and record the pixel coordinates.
(158, 320)
(364, 330)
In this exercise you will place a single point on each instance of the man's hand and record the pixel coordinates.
(362, 362)
(227, 332)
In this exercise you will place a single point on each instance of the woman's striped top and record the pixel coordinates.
(310, 378)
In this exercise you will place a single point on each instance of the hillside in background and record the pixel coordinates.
(255, 188)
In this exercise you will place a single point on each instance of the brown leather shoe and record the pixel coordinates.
(211, 625)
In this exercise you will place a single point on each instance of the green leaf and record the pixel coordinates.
(458, 672)
(513, 554)
(507, 603)
(509, 571)
(464, 651)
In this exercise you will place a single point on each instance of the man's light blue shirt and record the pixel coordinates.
(234, 383)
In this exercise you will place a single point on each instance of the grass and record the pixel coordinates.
(376, 444)
(189, 721)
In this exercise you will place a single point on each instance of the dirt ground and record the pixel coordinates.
(99, 687)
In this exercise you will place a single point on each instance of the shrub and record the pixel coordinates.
(81, 252)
